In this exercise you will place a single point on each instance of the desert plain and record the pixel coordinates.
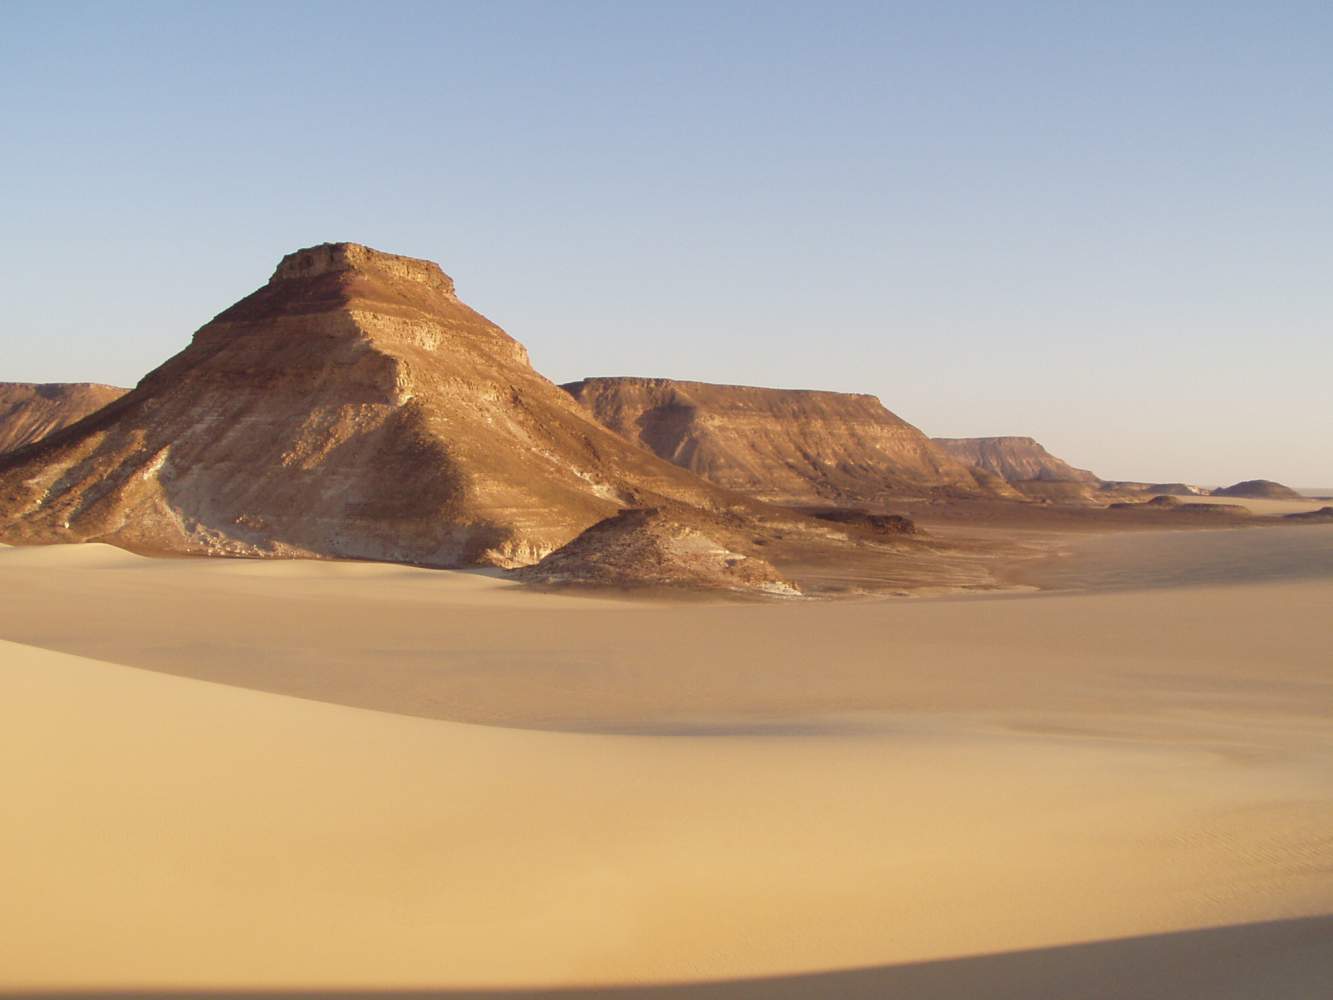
(1114, 778)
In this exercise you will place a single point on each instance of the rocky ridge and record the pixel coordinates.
(785, 446)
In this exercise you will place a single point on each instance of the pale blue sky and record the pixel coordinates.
(1108, 226)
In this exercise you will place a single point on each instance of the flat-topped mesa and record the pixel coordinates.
(1016, 458)
(794, 446)
(348, 290)
(329, 258)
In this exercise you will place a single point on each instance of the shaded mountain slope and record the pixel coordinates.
(29, 411)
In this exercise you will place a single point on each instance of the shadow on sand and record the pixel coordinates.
(1279, 960)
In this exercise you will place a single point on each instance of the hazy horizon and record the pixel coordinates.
(1106, 230)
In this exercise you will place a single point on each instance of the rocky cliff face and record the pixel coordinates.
(30, 411)
(782, 445)
(352, 407)
(1015, 459)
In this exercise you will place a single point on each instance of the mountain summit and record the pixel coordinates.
(351, 407)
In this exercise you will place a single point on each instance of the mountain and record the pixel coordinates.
(29, 411)
(1015, 459)
(352, 407)
(1258, 489)
(782, 445)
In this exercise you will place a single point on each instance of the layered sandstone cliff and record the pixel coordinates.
(352, 407)
(29, 411)
(1015, 459)
(782, 445)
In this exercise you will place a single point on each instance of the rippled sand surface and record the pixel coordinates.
(242, 775)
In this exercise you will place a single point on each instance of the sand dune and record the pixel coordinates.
(1021, 773)
(1286, 958)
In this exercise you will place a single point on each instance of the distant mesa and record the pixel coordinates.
(1259, 489)
(1015, 459)
(29, 411)
(653, 547)
(352, 407)
(790, 446)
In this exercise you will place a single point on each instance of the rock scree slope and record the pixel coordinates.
(790, 446)
(352, 407)
(29, 411)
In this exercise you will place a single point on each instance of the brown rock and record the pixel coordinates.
(30, 411)
(783, 445)
(1259, 489)
(352, 407)
(652, 547)
(1016, 459)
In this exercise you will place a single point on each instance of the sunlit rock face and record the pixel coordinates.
(783, 445)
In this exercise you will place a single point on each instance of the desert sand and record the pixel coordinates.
(1073, 791)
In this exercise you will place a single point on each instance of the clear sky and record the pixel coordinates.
(1105, 225)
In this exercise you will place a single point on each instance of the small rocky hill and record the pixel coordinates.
(782, 445)
(29, 411)
(653, 547)
(1015, 459)
(1258, 489)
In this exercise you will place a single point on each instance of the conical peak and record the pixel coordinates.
(330, 258)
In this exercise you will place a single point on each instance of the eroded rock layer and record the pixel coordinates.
(782, 445)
